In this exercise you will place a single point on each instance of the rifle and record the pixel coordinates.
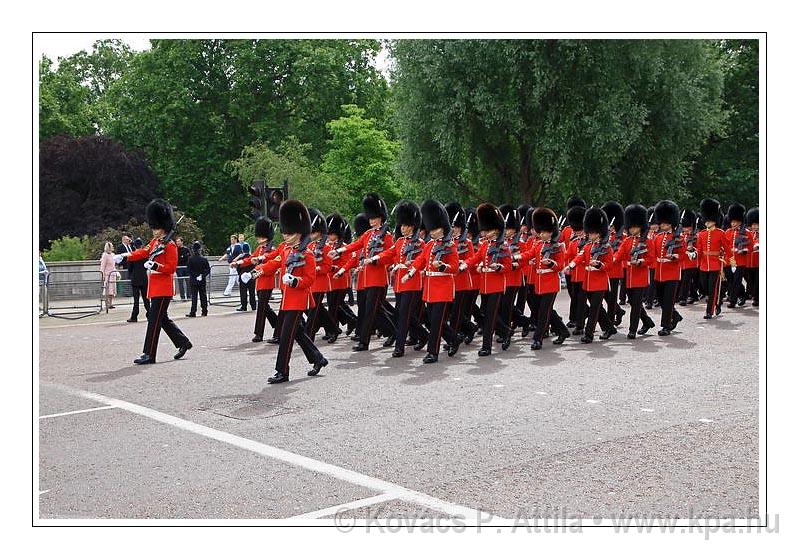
(640, 248)
(297, 258)
(602, 246)
(411, 248)
(497, 249)
(740, 239)
(375, 245)
(444, 248)
(162, 245)
(551, 247)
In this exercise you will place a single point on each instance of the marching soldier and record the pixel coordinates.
(636, 252)
(649, 295)
(264, 232)
(712, 249)
(513, 317)
(740, 241)
(689, 271)
(575, 244)
(595, 258)
(298, 270)
(669, 249)
(567, 231)
(616, 219)
(161, 259)
(319, 247)
(373, 274)
(464, 285)
(408, 294)
(438, 262)
(472, 309)
(341, 313)
(751, 219)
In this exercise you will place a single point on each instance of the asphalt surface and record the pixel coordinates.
(663, 426)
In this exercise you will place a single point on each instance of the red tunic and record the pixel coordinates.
(297, 298)
(616, 270)
(544, 277)
(711, 247)
(492, 281)
(371, 275)
(265, 281)
(686, 261)
(638, 275)
(397, 254)
(742, 257)
(159, 281)
(576, 250)
(437, 285)
(464, 278)
(754, 252)
(515, 273)
(595, 280)
(667, 268)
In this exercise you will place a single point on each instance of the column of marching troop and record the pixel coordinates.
(459, 273)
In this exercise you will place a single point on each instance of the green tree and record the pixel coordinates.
(68, 248)
(538, 120)
(361, 156)
(728, 164)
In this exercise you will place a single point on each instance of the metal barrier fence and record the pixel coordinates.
(70, 294)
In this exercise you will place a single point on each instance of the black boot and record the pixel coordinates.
(632, 335)
(586, 339)
(389, 342)
(257, 338)
(318, 366)
(561, 338)
(430, 358)
(398, 354)
(664, 332)
(144, 359)
(332, 338)
(646, 327)
(278, 378)
(360, 347)
(608, 334)
(453, 349)
(484, 352)
(274, 340)
(536, 345)
(182, 350)
(618, 320)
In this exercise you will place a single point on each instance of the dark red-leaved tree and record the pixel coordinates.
(89, 183)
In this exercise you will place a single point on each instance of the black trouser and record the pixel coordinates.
(521, 298)
(247, 289)
(612, 304)
(139, 291)
(492, 320)
(570, 291)
(320, 316)
(408, 308)
(514, 316)
(457, 311)
(341, 313)
(666, 293)
(734, 279)
(649, 293)
(291, 331)
(546, 315)
(181, 273)
(373, 314)
(349, 292)
(158, 319)
(596, 313)
(688, 288)
(533, 300)
(476, 310)
(265, 313)
(710, 282)
(577, 305)
(752, 284)
(198, 288)
(637, 309)
(438, 312)
(623, 291)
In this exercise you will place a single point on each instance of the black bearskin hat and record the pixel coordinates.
(360, 224)
(197, 247)
(575, 200)
(736, 212)
(336, 225)
(318, 223)
(636, 215)
(510, 216)
(293, 217)
(374, 207)
(159, 215)
(522, 213)
(456, 214)
(264, 228)
(544, 219)
(489, 218)
(709, 210)
(434, 216)
(527, 218)
(595, 221)
(689, 218)
(667, 212)
(575, 217)
(751, 217)
(616, 215)
(472, 223)
(406, 213)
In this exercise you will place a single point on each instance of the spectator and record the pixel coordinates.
(123, 248)
(181, 273)
(199, 269)
(138, 276)
(42, 270)
(245, 288)
(230, 254)
(110, 274)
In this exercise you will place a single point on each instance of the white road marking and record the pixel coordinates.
(364, 502)
(76, 412)
(456, 379)
(498, 385)
(592, 401)
(540, 393)
(706, 420)
(699, 327)
(647, 409)
(44, 491)
(308, 463)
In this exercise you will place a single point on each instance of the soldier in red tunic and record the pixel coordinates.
(712, 250)
(687, 293)
(161, 260)
(491, 261)
(636, 253)
(339, 235)
(751, 220)
(471, 308)
(669, 250)
(298, 271)
(616, 221)
(650, 293)
(319, 315)
(438, 264)
(514, 277)
(373, 274)
(577, 295)
(462, 304)
(264, 232)
(740, 241)
(596, 258)
(408, 295)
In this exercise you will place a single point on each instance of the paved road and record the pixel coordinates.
(664, 426)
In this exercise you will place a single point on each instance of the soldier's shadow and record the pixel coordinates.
(598, 349)
(644, 343)
(422, 374)
(127, 371)
(254, 403)
(724, 324)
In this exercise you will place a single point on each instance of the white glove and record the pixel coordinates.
(148, 264)
(288, 279)
(118, 259)
(200, 278)
(246, 276)
(462, 266)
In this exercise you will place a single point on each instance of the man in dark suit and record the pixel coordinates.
(138, 276)
(182, 272)
(123, 248)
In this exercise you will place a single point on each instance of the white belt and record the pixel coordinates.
(544, 270)
(434, 273)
